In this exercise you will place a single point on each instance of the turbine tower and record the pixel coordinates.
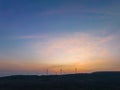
(61, 71)
(47, 72)
(75, 70)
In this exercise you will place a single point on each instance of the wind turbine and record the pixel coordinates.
(47, 72)
(75, 70)
(61, 71)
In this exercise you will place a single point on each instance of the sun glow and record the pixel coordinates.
(72, 48)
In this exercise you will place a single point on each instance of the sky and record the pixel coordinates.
(36, 35)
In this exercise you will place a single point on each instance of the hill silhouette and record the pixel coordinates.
(87, 81)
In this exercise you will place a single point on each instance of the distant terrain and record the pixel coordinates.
(87, 81)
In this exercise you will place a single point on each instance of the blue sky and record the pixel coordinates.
(30, 28)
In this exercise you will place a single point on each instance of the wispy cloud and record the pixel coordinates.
(32, 36)
(84, 10)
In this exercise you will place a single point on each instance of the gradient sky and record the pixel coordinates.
(68, 34)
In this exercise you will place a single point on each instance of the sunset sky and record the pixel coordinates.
(36, 35)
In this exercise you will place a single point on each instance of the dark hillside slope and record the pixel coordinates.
(93, 81)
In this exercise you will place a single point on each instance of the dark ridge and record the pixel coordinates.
(107, 72)
(106, 80)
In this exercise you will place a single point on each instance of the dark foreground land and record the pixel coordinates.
(93, 81)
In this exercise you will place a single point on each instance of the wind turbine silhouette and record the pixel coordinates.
(47, 72)
(61, 71)
(75, 70)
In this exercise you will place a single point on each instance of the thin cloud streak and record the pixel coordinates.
(82, 9)
(33, 37)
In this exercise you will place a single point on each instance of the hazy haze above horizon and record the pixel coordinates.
(36, 35)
